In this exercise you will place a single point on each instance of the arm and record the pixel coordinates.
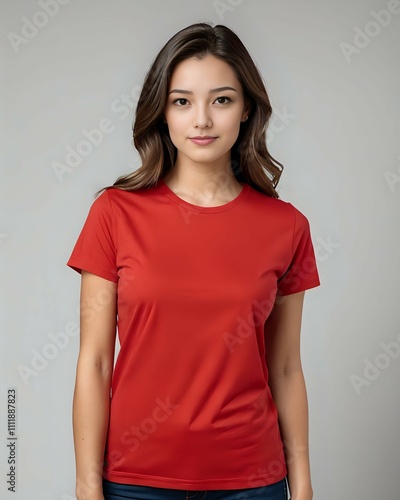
(286, 381)
(93, 382)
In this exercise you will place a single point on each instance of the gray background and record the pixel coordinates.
(336, 130)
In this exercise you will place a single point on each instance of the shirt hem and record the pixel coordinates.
(199, 484)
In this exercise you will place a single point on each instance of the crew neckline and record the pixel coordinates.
(199, 208)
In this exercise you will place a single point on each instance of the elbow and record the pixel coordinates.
(98, 366)
(285, 371)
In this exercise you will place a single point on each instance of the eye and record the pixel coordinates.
(180, 101)
(228, 99)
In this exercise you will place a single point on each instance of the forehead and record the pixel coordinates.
(207, 72)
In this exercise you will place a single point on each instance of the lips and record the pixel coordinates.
(202, 140)
(201, 137)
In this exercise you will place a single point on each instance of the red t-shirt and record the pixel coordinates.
(191, 407)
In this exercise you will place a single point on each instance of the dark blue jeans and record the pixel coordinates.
(117, 491)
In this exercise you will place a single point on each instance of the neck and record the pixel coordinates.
(203, 184)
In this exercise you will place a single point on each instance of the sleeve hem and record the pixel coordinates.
(79, 266)
(303, 286)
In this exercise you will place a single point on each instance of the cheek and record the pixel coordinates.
(175, 130)
(175, 122)
(230, 122)
(233, 128)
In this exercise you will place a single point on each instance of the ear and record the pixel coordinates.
(246, 111)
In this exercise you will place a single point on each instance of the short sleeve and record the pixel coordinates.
(94, 250)
(302, 273)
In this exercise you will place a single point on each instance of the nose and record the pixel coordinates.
(202, 118)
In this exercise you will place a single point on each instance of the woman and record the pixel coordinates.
(203, 269)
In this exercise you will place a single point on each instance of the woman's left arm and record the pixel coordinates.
(286, 381)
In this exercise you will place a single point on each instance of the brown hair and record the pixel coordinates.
(250, 160)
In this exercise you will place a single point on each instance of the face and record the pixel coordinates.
(205, 98)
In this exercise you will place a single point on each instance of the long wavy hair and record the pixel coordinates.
(251, 161)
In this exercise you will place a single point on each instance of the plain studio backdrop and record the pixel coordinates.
(72, 71)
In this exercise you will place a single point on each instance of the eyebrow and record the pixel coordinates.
(212, 91)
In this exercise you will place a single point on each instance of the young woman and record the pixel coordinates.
(201, 269)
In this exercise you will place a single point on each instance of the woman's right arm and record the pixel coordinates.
(98, 316)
